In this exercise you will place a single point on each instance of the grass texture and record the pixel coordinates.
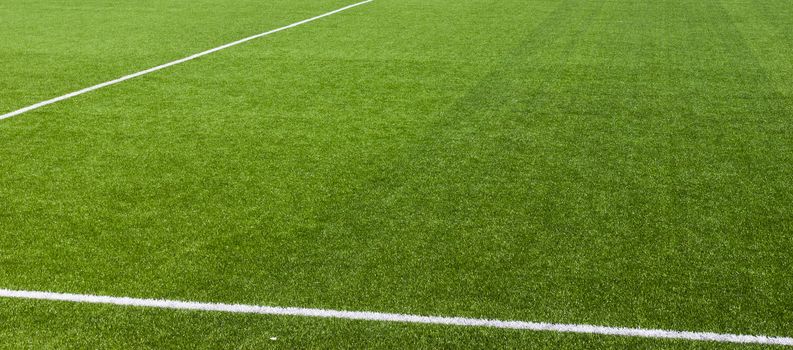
(622, 163)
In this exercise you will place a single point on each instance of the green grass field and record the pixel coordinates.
(623, 163)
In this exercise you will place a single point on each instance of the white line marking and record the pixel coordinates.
(169, 64)
(389, 317)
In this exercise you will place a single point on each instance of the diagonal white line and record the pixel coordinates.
(169, 64)
(391, 317)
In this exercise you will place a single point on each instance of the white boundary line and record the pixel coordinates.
(390, 317)
(169, 64)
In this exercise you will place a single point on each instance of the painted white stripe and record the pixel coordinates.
(169, 64)
(390, 317)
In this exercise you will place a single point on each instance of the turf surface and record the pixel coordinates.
(622, 163)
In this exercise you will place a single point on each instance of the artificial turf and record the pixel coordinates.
(622, 163)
